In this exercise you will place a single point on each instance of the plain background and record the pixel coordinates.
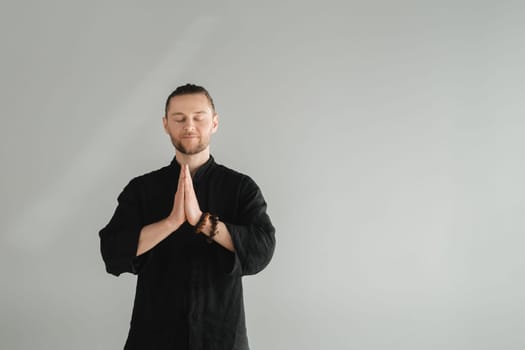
(387, 137)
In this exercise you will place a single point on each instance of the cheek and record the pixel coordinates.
(174, 128)
(173, 132)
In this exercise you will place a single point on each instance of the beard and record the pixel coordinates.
(190, 150)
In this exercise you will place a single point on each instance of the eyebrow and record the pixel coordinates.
(180, 113)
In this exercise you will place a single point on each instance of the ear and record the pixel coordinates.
(215, 123)
(165, 124)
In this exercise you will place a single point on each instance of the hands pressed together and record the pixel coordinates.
(185, 206)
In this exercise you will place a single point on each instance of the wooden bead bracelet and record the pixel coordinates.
(202, 222)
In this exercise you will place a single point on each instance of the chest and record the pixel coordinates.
(214, 196)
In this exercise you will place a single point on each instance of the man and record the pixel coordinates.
(189, 231)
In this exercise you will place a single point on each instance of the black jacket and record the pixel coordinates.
(189, 292)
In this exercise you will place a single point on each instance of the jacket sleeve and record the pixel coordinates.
(253, 235)
(119, 238)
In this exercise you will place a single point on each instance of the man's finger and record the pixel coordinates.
(187, 185)
(181, 179)
(189, 182)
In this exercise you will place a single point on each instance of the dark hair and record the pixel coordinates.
(187, 90)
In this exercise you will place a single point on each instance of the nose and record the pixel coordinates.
(189, 126)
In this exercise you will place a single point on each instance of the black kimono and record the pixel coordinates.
(189, 292)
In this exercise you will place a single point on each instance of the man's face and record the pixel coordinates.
(189, 122)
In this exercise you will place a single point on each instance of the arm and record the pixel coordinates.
(119, 238)
(253, 235)
(193, 212)
(223, 236)
(251, 238)
(125, 241)
(153, 234)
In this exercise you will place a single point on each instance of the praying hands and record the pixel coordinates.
(185, 205)
(185, 208)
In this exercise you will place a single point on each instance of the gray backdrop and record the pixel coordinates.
(387, 137)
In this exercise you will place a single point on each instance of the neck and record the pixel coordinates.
(194, 161)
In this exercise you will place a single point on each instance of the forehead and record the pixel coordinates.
(189, 103)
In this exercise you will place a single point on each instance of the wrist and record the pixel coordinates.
(201, 222)
(207, 225)
(197, 218)
(173, 223)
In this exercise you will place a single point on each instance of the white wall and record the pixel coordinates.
(386, 136)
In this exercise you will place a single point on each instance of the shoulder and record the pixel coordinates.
(232, 174)
(154, 174)
(228, 172)
(229, 176)
(152, 177)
